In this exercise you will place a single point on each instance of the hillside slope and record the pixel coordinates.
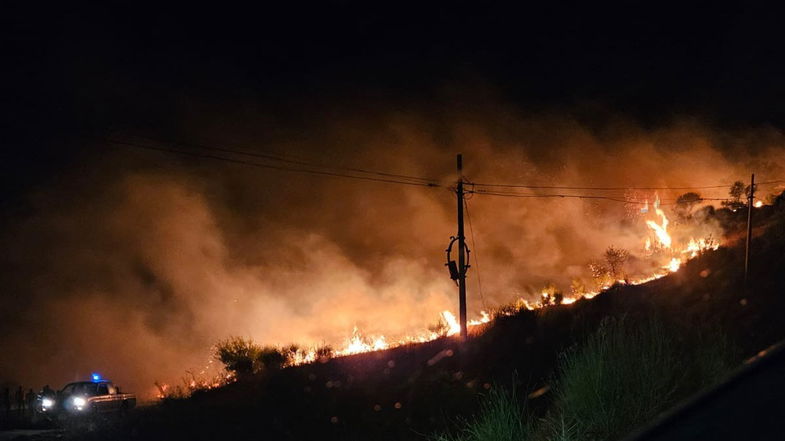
(408, 392)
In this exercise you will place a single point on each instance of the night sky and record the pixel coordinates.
(390, 86)
(72, 71)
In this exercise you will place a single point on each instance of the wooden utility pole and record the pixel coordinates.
(461, 253)
(750, 201)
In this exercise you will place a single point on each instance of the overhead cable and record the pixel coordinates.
(272, 166)
(284, 159)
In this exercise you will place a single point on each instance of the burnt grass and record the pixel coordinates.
(412, 392)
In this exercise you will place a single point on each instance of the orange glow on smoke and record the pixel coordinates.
(665, 252)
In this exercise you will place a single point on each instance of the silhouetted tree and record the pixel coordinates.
(686, 203)
(616, 258)
(737, 189)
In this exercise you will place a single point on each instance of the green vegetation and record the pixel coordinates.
(500, 419)
(619, 379)
(626, 374)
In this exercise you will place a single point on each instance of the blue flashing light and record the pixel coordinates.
(96, 377)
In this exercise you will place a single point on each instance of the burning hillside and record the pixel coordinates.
(404, 392)
(211, 249)
(664, 248)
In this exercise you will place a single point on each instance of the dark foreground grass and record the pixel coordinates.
(627, 373)
(619, 379)
(500, 419)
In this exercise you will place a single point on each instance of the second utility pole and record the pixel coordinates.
(461, 253)
(750, 200)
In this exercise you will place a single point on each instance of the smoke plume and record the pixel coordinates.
(137, 262)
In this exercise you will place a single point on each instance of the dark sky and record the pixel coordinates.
(74, 70)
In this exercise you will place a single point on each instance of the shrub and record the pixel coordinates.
(272, 358)
(238, 354)
(500, 419)
(324, 352)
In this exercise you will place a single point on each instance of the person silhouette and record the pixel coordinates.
(20, 400)
(47, 392)
(7, 402)
(30, 401)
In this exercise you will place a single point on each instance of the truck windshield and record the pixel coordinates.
(80, 389)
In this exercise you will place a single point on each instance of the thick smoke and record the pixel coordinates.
(137, 263)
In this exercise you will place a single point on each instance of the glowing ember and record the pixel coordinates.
(758, 204)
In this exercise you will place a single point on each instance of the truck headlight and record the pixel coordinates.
(79, 402)
(47, 403)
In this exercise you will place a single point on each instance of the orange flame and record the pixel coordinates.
(660, 230)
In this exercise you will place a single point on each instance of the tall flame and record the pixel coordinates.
(660, 230)
(452, 324)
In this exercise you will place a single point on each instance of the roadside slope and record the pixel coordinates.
(409, 391)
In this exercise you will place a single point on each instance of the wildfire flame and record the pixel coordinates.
(359, 344)
(665, 248)
(675, 256)
(661, 229)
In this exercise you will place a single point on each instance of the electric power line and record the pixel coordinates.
(557, 187)
(476, 254)
(579, 196)
(393, 178)
(575, 196)
(272, 166)
(281, 158)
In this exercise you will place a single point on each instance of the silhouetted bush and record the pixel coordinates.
(238, 354)
(272, 358)
(324, 352)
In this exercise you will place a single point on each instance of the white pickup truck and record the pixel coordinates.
(87, 397)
